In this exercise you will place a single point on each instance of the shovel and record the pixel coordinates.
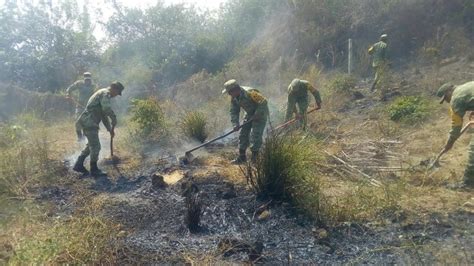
(289, 122)
(435, 162)
(113, 159)
(188, 154)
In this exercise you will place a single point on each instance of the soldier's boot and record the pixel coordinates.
(80, 136)
(79, 165)
(242, 158)
(95, 171)
(254, 157)
(468, 180)
(374, 86)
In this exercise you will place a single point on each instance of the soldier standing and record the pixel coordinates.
(98, 109)
(298, 95)
(380, 59)
(85, 89)
(256, 108)
(461, 99)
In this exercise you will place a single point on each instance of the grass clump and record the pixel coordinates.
(285, 171)
(408, 109)
(342, 83)
(25, 159)
(193, 125)
(76, 240)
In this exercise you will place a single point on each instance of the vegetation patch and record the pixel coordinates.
(285, 171)
(25, 159)
(148, 123)
(193, 125)
(77, 240)
(408, 109)
(342, 83)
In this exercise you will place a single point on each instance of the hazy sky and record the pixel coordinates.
(99, 32)
(211, 4)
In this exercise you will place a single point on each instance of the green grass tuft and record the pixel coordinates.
(285, 171)
(193, 125)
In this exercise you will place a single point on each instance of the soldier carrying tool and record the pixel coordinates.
(85, 89)
(298, 95)
(256, 108)
(98, 109)
(461, 99)
(380, 59)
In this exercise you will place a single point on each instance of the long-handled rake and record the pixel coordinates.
(435, 162)
(289, 122)
(188, 154)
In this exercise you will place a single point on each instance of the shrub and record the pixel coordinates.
(409, 109)
(193, 125)
(285, 171)
(342, 83)
(148, 116)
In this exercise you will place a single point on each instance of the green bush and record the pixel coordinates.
(409, 109)
(148, 116)
(193, 125)
(285, 171)
(342, 83)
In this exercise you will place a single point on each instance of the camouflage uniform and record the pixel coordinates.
(462, 100)
(380, 59)
(98, 109)
(85, 90)
(298, 95)
(256, 108)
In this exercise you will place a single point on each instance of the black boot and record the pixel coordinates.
(79, 165)
(95, 171)
(80, 136)
(241, 159)
(254, 157)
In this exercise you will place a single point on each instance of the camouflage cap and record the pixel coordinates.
(229, 85)
(443, 90)
(87, 75)
(294, 82)
(117, 85)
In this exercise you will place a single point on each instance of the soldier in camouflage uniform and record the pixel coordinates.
(256, 108)
(85, 89)
(298, 95)
(380, 59)
(98, 109)
(461, 99)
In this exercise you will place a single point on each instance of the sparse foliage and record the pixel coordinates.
(148, 116)
(342, 83)
(193, 125)
(409, 109)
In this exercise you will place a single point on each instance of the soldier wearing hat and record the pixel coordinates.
(85, 88)
(298, 95)
(461, 100)
(380, 59)
(256, 109)
(98, 109)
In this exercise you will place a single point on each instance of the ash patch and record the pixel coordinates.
(121, 185)
(58, 195)
(155, 219)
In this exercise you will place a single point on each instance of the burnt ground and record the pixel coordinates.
(233, 229)
(237, 227)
